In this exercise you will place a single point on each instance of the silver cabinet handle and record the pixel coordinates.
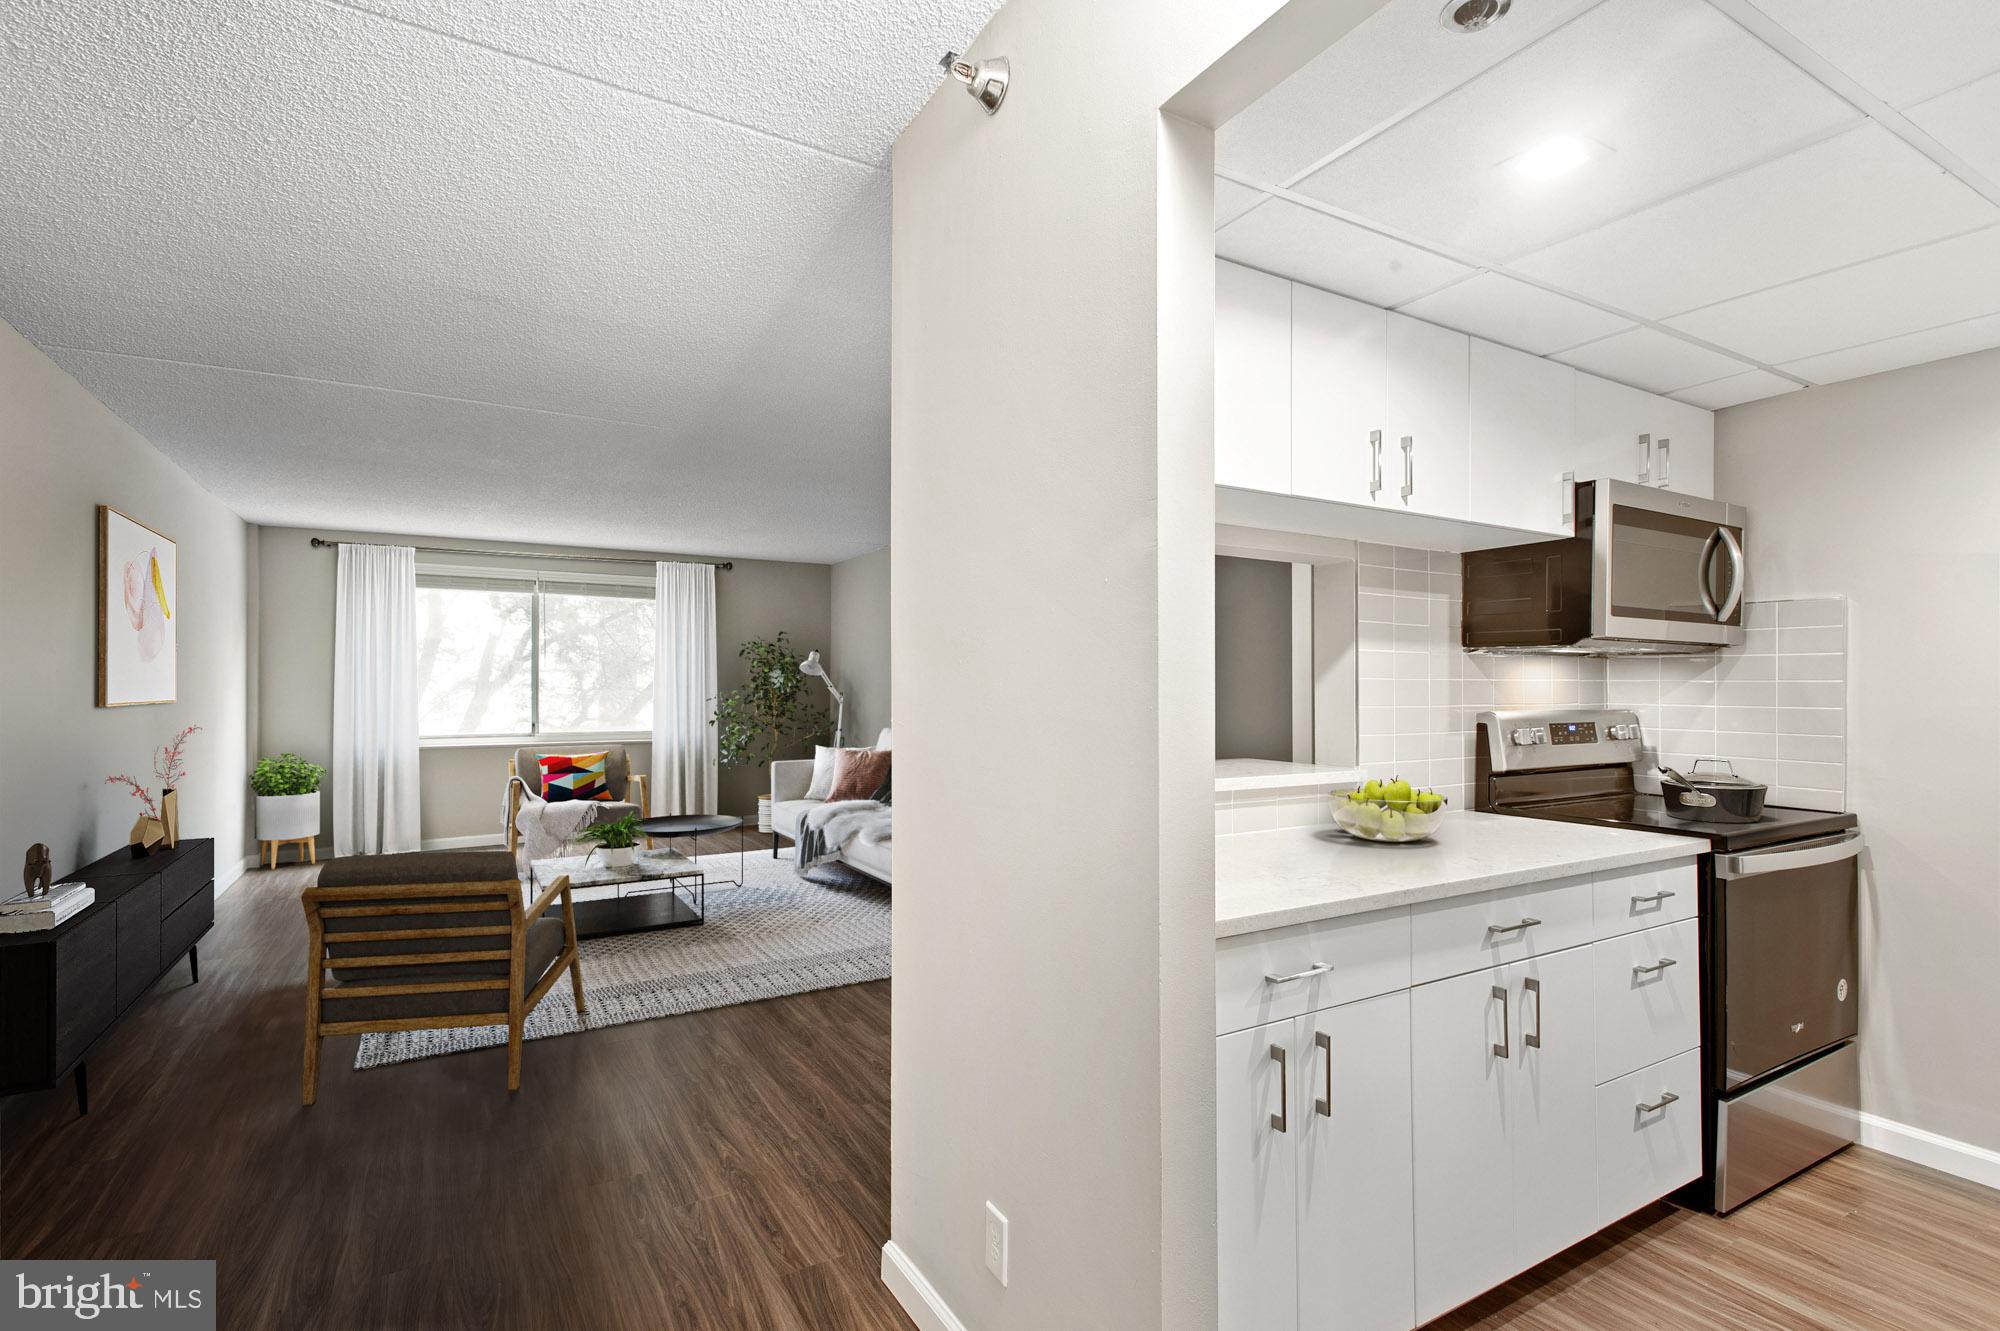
(1409, 466)
(1645, 458)
(1666, 1098)
(1665, 458)
(1283, 1116)
(1651, 897)
(1500, 1050)
(1324, 1108)
(1533, 986)
(1656, 967)
(1375, 465)
(1318, 968)
(1527, 922)
(1568, 485)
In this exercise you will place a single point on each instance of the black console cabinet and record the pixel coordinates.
(63, 989)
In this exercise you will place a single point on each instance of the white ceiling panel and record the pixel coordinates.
(1852, 197)
(1940, 283)
(1967, 121)
(1288, 238)
(842, 77)
(1737, 389)
(1896, 352)
(1655, 361)
(1900, 50)
(1398, 59)
(1501, 309)
(1675, 93)
(1233, 200)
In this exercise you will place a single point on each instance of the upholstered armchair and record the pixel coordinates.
(628, 788)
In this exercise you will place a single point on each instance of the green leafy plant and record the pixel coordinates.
(771, 713)
(286, 774)
(619, 834)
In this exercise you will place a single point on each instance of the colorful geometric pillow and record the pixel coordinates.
(574, 776)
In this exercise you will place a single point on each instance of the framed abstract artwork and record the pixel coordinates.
(138, 603)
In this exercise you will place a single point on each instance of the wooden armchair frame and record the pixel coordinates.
(432, 899)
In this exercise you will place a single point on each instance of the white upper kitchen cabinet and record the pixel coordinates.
(1253, 366)
(1688, 463)
(1521, 439)
(1340, 387)
(1617, 434)
(1429, 401)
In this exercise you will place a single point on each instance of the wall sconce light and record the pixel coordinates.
(986, 80)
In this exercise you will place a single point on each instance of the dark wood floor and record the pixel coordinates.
(728, 1171)
(723, 1170)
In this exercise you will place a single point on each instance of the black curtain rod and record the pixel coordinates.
(725, 565)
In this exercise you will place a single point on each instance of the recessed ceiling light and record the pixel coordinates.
(1557, 155)
(1473, 15)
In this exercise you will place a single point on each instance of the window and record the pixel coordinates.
(506, 655)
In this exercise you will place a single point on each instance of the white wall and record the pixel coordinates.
(62, 453)
(1886, 490)
(1052, 533)
(860, 655)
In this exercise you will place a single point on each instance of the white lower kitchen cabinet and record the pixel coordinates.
(1385, 1156)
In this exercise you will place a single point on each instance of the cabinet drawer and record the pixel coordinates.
(180, 930)
(138, 915)
(1493, 928)
(1628, 900)
(1644, 1154)
(191, 870)
(1337, 961)
(1648, 990)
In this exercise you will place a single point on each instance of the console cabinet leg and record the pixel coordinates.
(194, 965)
(82, 1089)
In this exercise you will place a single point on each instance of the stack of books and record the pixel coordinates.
(24, 914)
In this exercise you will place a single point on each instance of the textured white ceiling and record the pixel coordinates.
(537, 266)
(1788, 191)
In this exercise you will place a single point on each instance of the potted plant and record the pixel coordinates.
(287, 789)
(617, 841)
(770, 714)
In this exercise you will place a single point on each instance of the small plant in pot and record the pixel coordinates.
(287, 789)
(617, 841)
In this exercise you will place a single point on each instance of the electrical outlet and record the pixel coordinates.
(996, 1243)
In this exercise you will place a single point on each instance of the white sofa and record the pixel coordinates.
(790, 779)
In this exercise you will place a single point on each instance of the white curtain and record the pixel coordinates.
(375, 700)
(684, 741)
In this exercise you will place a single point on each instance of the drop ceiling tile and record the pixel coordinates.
(1737, 389)
(1894, 353)
(1900, 50)
(1300, 243)
(1399, 58)
(1233, 200)
(1655, 361)
(1675, 93)
(1768, 225)
(1943, 282)
(1963, 120)
(1501, 309)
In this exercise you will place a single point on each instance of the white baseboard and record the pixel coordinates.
(493, 839)
(226, 879)
(1919, 1146)
(924, 1304)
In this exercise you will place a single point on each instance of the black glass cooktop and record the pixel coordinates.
(1649, 813)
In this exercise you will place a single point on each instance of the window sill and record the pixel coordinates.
(534, 741)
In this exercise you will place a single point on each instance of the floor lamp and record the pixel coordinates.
(811, 666)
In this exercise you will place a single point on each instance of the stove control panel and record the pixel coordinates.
(1527, 735)
(1573, 732)
(1558, 739)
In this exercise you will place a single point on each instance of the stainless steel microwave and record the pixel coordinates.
(1649, 573)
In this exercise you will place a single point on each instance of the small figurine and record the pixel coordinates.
(37, 873)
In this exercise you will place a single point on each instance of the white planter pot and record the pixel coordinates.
(287, 817)
(620, 858)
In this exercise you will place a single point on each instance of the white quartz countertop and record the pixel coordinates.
(1265, 880)
(1270, 774)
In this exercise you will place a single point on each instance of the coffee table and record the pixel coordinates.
(695, 826)
(660, 889)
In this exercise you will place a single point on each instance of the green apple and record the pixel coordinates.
(1368, 820)
(1397, 792)
(1393, 828)
(1371, 789)
(1429, 801)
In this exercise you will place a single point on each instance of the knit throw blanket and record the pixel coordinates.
(547, 828)
(829, 829)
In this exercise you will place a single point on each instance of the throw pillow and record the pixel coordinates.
(823, 763)
(574, 776)
(859, 773)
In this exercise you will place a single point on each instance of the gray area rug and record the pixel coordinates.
(777, 934)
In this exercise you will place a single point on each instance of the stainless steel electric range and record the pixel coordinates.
(1779, 928)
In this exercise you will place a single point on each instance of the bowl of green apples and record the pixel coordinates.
(1392, 811)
